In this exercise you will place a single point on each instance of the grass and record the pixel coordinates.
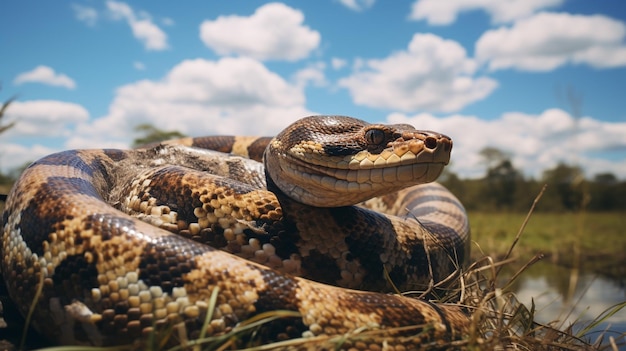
(594, 241)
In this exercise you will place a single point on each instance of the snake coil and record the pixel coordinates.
(124, 245)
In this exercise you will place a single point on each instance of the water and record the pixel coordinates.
(573, 298)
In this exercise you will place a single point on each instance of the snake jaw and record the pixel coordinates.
(336, 176)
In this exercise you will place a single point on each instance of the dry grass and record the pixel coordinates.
(501, 322)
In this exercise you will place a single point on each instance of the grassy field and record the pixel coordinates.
(592, 241)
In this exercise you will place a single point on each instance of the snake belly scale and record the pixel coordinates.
(126, 243)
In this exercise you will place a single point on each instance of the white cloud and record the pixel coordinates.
(546, 41)
(14, 156)
(537, 142)
(167, 21)
(44, 117)
(338, 63)
(312, 74)
(142, 26)
(85, 14)
(274, 32)
(38, 124)
(437, 12)
(199, 97)
(140, 66)
(45, 75)
(357, 5)
(433, 74)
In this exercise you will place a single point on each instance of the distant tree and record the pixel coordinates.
(607, 193)
(452, 181)
(577, 197)
(493, 156)
(502, 184)
(501, 179)
(605, 179)
(569, 186)
(5, 182)
(152, 134)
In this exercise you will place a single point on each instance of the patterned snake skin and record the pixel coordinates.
(88, 234)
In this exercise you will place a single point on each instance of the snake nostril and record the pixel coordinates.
(430, 143)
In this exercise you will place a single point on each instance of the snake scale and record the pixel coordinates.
(118, 246)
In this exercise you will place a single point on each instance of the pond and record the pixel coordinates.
(568, 297)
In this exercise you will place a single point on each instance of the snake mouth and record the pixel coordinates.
(358, 177)
(322, 186)
(401, 165)
(367, 179)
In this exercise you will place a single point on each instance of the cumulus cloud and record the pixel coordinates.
(338, 63)
(437, 12)
(433, 74)
(152, 37)
(357, 5)
(14, 156)
(537, 142)
(44, 117)
(37, 123)
(312, 74)
(85, 14)
(546, 41)
(274, 32)
(199, 97)
(45, 75)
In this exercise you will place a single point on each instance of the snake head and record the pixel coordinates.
(332, 161)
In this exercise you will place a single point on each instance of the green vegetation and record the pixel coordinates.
(588, 240)
(152, 134)
(504, 189)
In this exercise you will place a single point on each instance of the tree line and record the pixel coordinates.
(504, 188)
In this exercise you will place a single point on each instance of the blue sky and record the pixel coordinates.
(486, 72)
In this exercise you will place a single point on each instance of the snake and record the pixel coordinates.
(195, 237)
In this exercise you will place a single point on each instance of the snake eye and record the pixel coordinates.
(375, 136)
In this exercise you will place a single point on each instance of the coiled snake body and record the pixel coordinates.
(92, 229)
